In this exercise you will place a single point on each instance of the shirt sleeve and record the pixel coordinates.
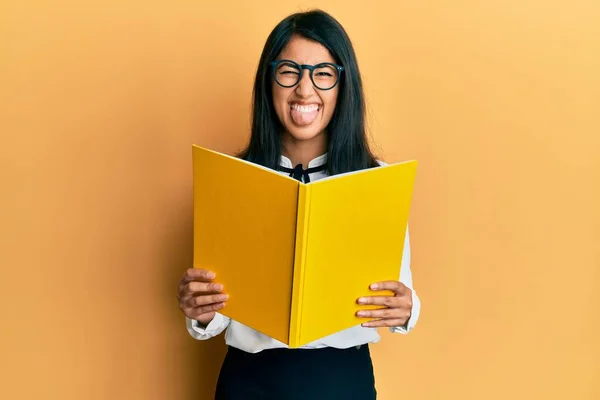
(200, 332)
(406, 279)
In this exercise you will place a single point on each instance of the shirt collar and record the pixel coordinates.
(316, 162)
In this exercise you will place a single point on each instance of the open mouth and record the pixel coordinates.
(304, 114)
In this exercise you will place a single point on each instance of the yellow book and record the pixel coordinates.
(295, 257)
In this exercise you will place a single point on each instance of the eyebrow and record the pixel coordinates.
(305, 63)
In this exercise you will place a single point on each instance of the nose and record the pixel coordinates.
(305, 86)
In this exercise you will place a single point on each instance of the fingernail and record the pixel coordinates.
(366, 324)
(361, 313)
(223, 297)
(362, 300)
(374, 286)
(211, 275)
(218, 286)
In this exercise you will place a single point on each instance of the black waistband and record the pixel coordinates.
(300, 353)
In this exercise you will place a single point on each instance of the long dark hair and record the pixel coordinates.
(348, 148)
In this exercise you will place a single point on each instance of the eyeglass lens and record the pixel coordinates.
(288, 74)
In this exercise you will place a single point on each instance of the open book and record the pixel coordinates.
(295, 257)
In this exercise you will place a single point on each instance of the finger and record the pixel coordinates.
(395, 286)
(198, 301)
(197, 274)
(388, 301)
(389, 313)
(197, 312)
(385, 323)
(202, 287)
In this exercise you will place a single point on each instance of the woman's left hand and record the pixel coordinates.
(398, 307)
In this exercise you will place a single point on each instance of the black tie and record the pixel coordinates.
(298, 172)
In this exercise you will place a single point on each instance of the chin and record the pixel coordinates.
(303, 134)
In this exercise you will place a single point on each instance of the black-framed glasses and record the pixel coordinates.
(288, 73)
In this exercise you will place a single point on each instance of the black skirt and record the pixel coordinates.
(298, 374)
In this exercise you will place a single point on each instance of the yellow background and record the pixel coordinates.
(497, 99)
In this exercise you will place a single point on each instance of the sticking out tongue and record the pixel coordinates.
(303, 118)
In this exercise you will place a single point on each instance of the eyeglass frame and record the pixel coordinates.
(310, 68)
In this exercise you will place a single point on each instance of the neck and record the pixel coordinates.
(303, 151)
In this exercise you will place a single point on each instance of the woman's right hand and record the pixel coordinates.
(199, 297)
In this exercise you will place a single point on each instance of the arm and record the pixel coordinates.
(406, 279)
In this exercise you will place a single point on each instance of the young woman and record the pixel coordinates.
(308, 122)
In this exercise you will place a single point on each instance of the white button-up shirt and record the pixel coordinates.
(249, 340)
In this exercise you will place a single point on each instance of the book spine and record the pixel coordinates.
(299, 264)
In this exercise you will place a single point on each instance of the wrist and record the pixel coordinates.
(204, 320)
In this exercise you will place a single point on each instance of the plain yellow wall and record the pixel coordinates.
(100, 102)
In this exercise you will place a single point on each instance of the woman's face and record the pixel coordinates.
(304, 110)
